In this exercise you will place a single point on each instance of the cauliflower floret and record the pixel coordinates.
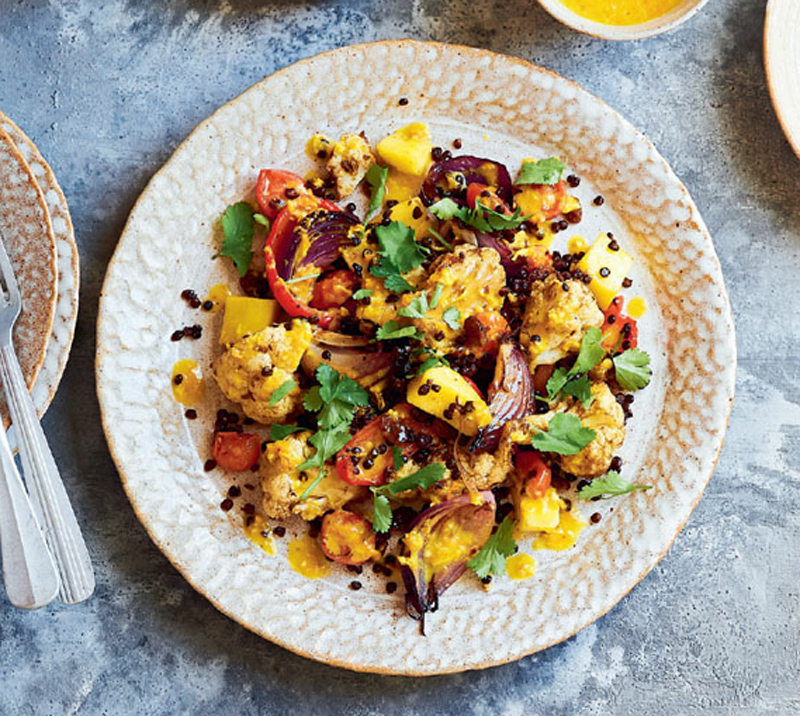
(349, 162)
(252, 369)
(604, 416)
(471, 279)
(282, 484)
(557, 315)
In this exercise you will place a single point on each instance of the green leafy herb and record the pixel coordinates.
(565, 435)
(581, 389)
(431, 362)
(611, 485)
(397, 457)
(575, 382)
(632, 369)
(424, 478)
(237, 225)
(556, 382)
(399, 247)
(491, 558)
(281, 392)
(279, 432)
(437, 294)
(452, 317)
(591, 352)
(362, 293)
(391, 331)
(303, 278)
(481, 217)
(336, 398)
(327, 443)
(376, 177)
(417, 308)
(546, 171)
(261, 219)
(392, 279)
(381, 513)
(444, 242)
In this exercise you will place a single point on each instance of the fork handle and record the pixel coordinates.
(29, 574)
(47, 491)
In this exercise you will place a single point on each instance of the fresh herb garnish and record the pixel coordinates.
(632, 369)
(376, 178)
(362, 293)
(237, 225)
(391, 331)
(444, 242)
(491, 558)
(303, 278)
(400, 253)
(335, 398)
(423, 478)
(279, 432)
(281, 392)
(546, 171)
(452, 317)
(431, 362)
(327, 443)
(575, 382)
(611, 485)
(381, 513)
(481, 217)
(261, 219)
(565, 435)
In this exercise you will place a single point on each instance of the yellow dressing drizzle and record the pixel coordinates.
(621, 12)
(520, 566)
(637, 307)
(570, 525)
(187, 382)
(577, 245)
(217, 294)
(306, 558)
(259, 533)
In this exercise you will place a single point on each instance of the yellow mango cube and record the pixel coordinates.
(536, 514)
(402, 187)
(608, 268)
(245, 316)
(407, 149)
(452, 401)
(413, 214)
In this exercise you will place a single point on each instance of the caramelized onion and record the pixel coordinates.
(474, 170)
(352, 356)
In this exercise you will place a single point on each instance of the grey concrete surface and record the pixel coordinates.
(109, 88)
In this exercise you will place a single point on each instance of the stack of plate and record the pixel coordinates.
(36, 228)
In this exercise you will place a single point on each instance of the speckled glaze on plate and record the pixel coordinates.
(501, 107)
(58, 347)
(782, 65)
(28, 234)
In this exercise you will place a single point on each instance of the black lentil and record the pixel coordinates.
(209, 465)
(598, 200)
(595, 518)
(573, 181)
(403, 101)
(226, 504)
(355, 585)
(191, 414)
(279, 531)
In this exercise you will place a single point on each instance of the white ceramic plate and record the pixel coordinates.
(500, 107)
(782, 63)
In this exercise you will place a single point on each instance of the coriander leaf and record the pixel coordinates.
(581, 389)
(328, 443)
(444, 242)
(417, 308)
(427, 476)
(281, 392)
(261, 219)
(237, 225)
(555, 383)
(338, 397)
(300, 279)
(491, 558)
(399, 247)
(575, 382)
(431, 362)
(391, 331)
(611, 485)
(381, 513)
(362, 293)
(336, 413)
(452, 317)
(376, 177)
(279, 432)
(481, 217)
(312, 400)
(632, 369)
(446, 209)
(565, 435)
(305, 493)
(546, 171)
(437, 294)
(393, 279)
(397, 457)
(591, 352)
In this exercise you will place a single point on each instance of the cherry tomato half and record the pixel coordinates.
(236, 451)
(620, 332)
(487, 195)
(347, 538)
(334, 290)
(534, 472)
(271, 190)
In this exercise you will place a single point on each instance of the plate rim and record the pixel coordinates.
(776, 94)
(488, 662)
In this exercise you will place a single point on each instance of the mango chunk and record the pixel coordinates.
(537, 514)
(607, 267)
(412, 213)
(245, 316)
(456, 401)
(407, 149)
(401, 187)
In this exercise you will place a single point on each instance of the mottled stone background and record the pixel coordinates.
(109, 89)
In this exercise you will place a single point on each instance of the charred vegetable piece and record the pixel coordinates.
(347, 538)
(272, 188)
(334, 290)
(620, 332)
(353, 356)
(510, 394)
(484, 332)
(450, 178)
(236, 451)
(533, 472)
(437, 548)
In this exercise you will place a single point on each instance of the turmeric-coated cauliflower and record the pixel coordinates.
(604, 416)
(557, 315)
(349, 162)
(252, 369)
(282, 484)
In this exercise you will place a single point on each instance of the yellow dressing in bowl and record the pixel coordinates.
(621, 12)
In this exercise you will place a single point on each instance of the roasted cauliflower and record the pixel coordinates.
(349, 162)
(282, 484)
(252, 369)
(557, 315)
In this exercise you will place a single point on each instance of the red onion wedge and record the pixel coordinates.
(437, 548)
(473, 170)
(353, 356)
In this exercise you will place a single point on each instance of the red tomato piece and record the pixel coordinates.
(347, 538)
(550, 199)
(487, 195)
(620, 332)
(535, 473)
(271, 190)
(334, 290)
(236, 451)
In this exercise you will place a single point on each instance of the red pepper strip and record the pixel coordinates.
(534, 472)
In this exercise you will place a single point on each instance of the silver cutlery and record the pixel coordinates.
(47, 493)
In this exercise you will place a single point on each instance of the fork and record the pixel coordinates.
(47, 493)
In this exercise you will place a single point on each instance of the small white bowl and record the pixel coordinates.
(666, 22)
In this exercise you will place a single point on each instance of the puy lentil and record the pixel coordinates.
(234, 491)
(178, 379)
(403, 101)
(350, 208)
(573, 181)
(355, 585)
(279, 531)
(391, 587)
(627, 283)
(604, 272)
(191, 414)
(190, 297)
(595, 518)
(598, 200)
(209, 465)
(226, 504)
(326, 355)
(616, 463)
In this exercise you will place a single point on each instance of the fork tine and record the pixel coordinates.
(7, 272)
